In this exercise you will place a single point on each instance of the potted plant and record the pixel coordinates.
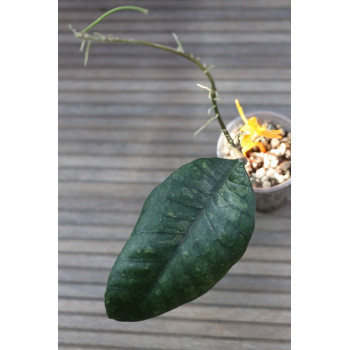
(269, 158)
(192, 228)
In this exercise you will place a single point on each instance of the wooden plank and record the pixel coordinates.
(191, 311)
(104, 339)
(190, 38)
(75, 347)
(151, 121)
(127, 218)
(109, 148)
(133, 205)
(271, 238)
(213, 297)
(239, 14)
(110, 249)
(113, 175)
(112, 148)
(170, 62)
(255, 54)
(74, 115)
(120, 85)
(107, 191)
(142, 135)
(246, 299)
(98, 275)
(110, 113)
(91, 4)
(180, 26)
(123, 162)
(242, 283)
(183, 74)
(113, 247)
(82, 283)
(276, 220)
(212, 51)
(115, 59)
(158, 326)
(204, 38)
(174, 98)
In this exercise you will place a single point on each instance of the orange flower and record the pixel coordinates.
(252, 132)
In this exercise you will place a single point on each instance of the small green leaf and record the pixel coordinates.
(205, 125)
(192, 228)
(179, 45)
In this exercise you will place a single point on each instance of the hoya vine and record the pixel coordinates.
(213, 93)
(193, 226)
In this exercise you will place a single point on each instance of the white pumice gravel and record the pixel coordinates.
(272, 168)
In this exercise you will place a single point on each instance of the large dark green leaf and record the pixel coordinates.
(192, 228)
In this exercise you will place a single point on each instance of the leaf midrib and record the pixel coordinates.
(200, 212)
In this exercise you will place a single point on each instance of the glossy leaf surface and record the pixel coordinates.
(192, 228)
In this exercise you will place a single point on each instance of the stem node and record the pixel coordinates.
(97, 37)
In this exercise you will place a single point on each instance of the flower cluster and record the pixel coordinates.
(251, 133)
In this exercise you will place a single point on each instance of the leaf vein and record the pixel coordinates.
(225, 217)
(245, 201)
(217, 235)
(183, 204)
(203, 172)
(209, 198)
(206, 195)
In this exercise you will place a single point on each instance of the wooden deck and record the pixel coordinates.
(125, 123)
